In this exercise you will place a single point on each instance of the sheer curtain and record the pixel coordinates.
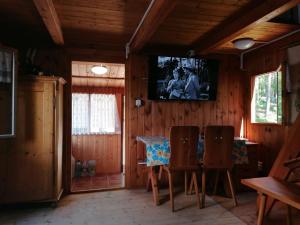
(95, 114)
(80, 113)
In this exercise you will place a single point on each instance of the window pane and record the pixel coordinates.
(267, 99)
(80, 113)
(103, 113)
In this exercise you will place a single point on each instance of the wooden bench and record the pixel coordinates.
(282, 191)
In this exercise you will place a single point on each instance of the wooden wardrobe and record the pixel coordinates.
(31, 163)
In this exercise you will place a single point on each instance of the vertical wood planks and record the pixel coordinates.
(105, 149)
(156, 117)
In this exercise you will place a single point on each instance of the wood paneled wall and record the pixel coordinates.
(156, 118)
(270, 137)
(105, 149)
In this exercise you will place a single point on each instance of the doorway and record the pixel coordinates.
(97, 126)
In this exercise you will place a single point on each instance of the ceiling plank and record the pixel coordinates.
(246, 19)
(48, 13)
(157, 14)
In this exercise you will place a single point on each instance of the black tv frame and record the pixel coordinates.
(214, 65)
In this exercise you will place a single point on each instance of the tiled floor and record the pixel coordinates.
(98, 182)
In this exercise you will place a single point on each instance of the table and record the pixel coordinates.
(158, 150)
(158, 153)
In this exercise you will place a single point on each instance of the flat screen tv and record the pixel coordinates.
(177, 78)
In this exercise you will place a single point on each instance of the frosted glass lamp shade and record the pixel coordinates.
(243, 43)
(99, 70)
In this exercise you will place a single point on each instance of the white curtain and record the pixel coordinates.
(80, 113)
(94, 114)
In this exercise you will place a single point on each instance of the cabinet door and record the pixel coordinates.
(29, 177)
(30, 169)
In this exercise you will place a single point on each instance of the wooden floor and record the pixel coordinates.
(134, 207)
(98, 182)
(246, 211)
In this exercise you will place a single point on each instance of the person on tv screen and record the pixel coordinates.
(192, 86)
(175, 86)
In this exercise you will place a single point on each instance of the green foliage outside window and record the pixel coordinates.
(267, 98)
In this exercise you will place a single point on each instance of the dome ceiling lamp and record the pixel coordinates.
(243, 43)
(99, 69)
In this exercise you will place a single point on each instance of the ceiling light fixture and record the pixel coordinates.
(243, 43)
(99, 70)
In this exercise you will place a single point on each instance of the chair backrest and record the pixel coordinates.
(218, 146)
(183, 143)
(294, 170)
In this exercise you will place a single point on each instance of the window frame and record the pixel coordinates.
(281, 123)
(89, 117)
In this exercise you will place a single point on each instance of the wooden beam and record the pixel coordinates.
(246, 19)
(154, 18)
(48, 13)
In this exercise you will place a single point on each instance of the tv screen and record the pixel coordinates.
(177, 78)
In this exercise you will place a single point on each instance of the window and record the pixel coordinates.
(94, 114)
(266, 106)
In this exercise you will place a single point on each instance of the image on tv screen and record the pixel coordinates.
(177, 78)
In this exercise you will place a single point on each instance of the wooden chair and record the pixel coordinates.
(293, 177)
(294, 170)
(218, 146)
(280, 190)
(183, 144)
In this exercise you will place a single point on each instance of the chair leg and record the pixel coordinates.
(194, 178)
(231, 188)
(191, 187)
(273, 202)
(289, 215)
(160, 172)
(216, 182)
(185, 182)
(171, 190)
(148, 186)
(154, 185)
(203, 189)
(262, 207)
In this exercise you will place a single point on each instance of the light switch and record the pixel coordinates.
(138, 102)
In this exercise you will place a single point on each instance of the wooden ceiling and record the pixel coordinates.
(110, 24)
(191, 19)
(106, 24)
(83, 76)
(262, 33)
(20, 22)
